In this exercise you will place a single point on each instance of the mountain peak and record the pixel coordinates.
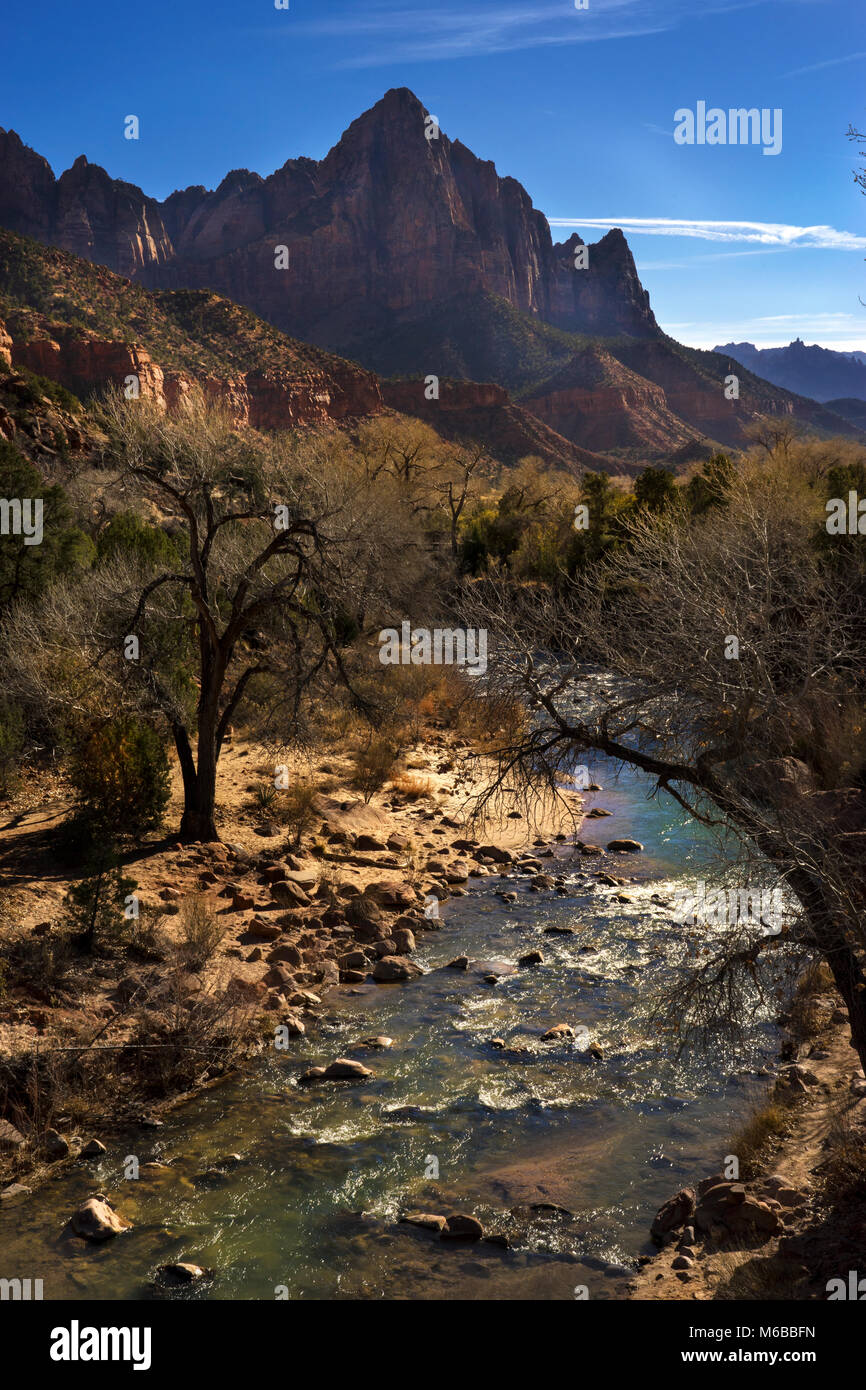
(390, 224)
(398, 108)
(399, 99)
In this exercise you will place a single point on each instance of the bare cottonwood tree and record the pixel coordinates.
(279, 549)
(725, 656)
(463, 465)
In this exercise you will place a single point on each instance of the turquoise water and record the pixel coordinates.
(311, 1208)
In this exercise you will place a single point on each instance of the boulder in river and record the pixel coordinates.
(312, 1074)
(344, 1069)
(15, 1191)
(531, 958)
(94, 1149)
(96, 1220)
(428, 1221)
(182, 1273)
(625, 846)
(558, 1033)
(404, 940)
(462, 1227)
(391, 968)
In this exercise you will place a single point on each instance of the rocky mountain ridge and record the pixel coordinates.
(390, 221)
(400, 250)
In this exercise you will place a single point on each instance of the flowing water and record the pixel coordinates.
(565, 1156)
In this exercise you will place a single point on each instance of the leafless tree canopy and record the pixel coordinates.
(726, 657)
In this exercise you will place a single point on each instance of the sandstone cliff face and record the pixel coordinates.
(608, 293)
(83, 211)
(275, 400)
(28, 190)
(83, 364)
(5, 346)
(386, 224)
(600, 404)
(107, 221)
(613, 418)
(698, 395)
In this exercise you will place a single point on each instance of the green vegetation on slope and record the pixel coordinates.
(45, 292)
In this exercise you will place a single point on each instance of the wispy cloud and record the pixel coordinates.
(827, 63)
(695, 262)
(427, 33)
(781, 234)
(845, 332)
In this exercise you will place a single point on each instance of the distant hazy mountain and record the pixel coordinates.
(814, 371)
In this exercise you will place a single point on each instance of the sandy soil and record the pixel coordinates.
(428, 815)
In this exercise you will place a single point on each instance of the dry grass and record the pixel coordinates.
(201, 932)
(297, 807)
(772, 1278)
(374, 764)
(413, 788)
(768, 1122)
(146, 937)
(187, 1039)
(805, 1020)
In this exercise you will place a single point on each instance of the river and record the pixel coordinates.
(309, 1208)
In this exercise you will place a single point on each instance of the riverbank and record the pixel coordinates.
(793, 1219)
(233, 939)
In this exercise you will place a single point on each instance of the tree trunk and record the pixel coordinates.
(850, 984)
(199, 786)
(197, 822)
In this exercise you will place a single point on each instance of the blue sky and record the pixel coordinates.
(577, 104)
